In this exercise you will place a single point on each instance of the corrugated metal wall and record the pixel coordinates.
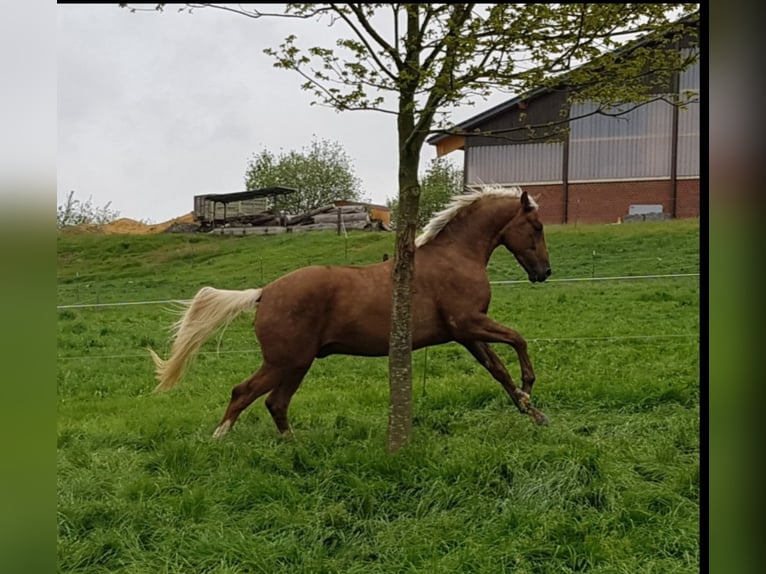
(689, 124)
(689, 79)
(516, 163)
(634, 145)
(689, 142)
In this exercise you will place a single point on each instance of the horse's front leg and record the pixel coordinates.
(484, 330)
(490, 361)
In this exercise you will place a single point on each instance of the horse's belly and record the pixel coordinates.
(363, 348)
(367, 338)
(371, 341)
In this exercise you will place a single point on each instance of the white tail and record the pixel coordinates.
(210, 309)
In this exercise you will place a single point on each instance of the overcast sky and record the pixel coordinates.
(155, 108)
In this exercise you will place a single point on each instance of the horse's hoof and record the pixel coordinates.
(287, 435)
(222, 429)
(539, 417)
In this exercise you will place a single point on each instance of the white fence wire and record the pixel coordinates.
(609, 338)
(497, 282)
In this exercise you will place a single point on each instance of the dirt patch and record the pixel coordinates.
(127, 226)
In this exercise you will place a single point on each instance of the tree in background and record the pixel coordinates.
(76, 212)
(439, 183)
(322, 173)
(432, 58)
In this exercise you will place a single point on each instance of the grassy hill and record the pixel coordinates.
(611, 486)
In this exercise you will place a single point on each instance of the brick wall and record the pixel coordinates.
(688, 194)
(550, 198)
(606, 202)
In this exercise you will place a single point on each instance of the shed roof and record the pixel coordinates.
(251, 194)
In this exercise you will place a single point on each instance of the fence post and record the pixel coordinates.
(593, 265)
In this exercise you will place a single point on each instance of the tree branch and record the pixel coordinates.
(365, 23)
(255, 14)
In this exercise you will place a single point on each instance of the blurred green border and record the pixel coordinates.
(28, 288)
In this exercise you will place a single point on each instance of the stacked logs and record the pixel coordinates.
(331, 217)
(340, 218)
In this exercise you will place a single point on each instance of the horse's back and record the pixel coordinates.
(366, 284)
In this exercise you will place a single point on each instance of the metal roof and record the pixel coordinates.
(472, 122)
(245, 195)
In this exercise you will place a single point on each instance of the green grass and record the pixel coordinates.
(611, 486)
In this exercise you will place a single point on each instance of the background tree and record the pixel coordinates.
(441, 180)
(76, 212)
(433, 57)
(322, 173)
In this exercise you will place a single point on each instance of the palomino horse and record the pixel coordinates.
(318, 310)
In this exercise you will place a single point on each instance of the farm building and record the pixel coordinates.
(600, 170)
(257, 212)
(220, 209)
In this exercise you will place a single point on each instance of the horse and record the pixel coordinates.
(316, 311)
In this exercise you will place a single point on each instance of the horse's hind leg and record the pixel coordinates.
(279, 399)
(260, 383)
(490, 361)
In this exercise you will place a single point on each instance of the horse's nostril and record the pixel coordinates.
(548, 272)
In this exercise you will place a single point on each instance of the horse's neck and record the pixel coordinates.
(476, 233)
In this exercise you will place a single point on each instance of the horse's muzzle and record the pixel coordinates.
(540, 277)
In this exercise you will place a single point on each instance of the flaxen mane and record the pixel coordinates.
(458, 202)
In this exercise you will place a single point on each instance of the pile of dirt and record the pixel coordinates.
(127, 226)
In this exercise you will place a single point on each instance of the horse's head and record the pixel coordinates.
(523, 236)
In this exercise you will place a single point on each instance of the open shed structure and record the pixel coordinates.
(241, 207)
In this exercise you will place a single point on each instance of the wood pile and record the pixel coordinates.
(328, 216)
(334, 217)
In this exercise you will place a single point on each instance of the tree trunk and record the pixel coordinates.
(410, 144)
(400, 344)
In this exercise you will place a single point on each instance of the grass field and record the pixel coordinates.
(611, 486)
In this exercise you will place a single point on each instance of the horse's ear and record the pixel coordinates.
(526, 203)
